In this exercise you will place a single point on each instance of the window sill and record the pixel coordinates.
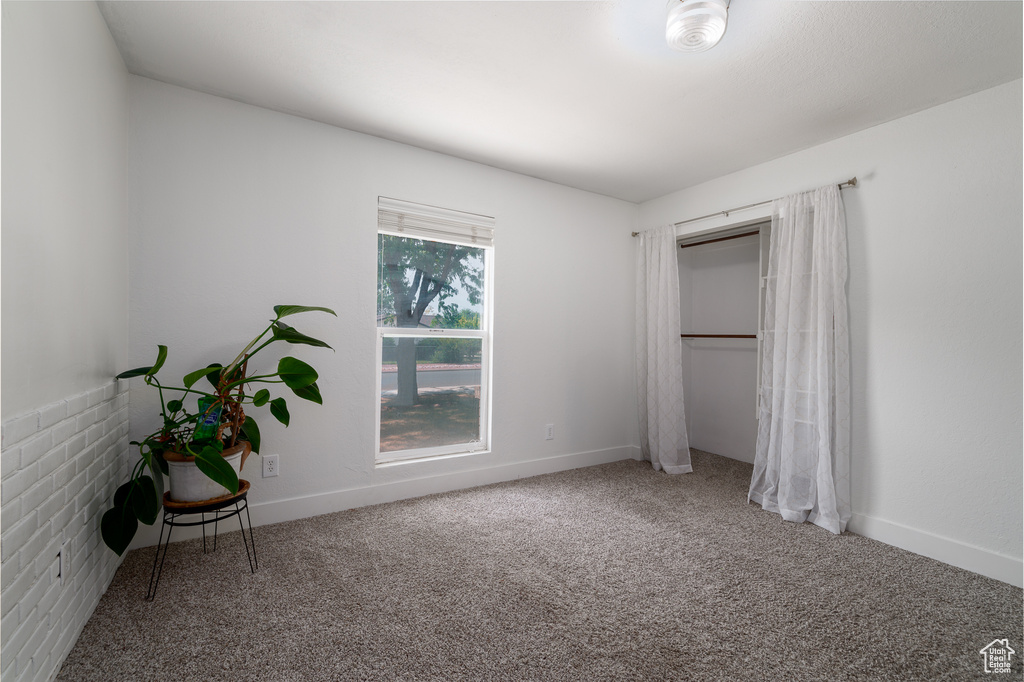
(381, 464)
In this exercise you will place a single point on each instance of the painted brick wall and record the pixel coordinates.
(59, 467)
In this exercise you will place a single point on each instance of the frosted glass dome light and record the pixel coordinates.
(696, 25)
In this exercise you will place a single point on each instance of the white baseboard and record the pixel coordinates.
(962, 555)
(999, 566)
(290, 509)
(326, 503)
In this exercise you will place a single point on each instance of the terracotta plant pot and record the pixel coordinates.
(189, 484)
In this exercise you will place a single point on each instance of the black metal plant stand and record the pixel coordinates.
(174, 510)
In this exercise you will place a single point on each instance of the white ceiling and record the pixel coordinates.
(585, 94)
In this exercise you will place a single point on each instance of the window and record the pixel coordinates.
(433, 330)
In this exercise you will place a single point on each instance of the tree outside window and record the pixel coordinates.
(432, 321)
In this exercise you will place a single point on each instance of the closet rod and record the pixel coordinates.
(718, 239)
(719, 336)
(852, 182)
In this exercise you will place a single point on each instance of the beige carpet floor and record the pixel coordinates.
(613, 572)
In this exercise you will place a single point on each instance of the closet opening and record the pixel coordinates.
(721, 309)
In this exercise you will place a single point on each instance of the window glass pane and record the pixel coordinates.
(424, 283)
(430, 392)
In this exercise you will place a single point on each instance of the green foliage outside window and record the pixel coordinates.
(457, 351)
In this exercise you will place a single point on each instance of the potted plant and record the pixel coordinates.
(208, 431)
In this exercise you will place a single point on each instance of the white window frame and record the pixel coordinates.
(419, 221)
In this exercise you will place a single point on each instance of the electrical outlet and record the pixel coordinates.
(549, 432)
(269, 466)
(64, 562)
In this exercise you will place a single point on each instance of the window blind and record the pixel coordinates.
(421, 221)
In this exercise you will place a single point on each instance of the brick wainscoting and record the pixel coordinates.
(60, 466)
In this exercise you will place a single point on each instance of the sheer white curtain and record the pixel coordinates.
(659, 363)
(802, 459)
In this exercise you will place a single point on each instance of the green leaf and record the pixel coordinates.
(310, 393)
(283, 332)
(261, 397)
(285, 310)
(279, 409)
(295, 373)
(118, 527)
(174, 405)
(137, 372)
(251, 432)
(161, 356)
(192, 377)
(214, 377)
(165, 469)
(145, 501)
(122, 493)
(216, 468)
(157, 466)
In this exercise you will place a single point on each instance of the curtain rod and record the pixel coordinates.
(719, 336)
(852, 182)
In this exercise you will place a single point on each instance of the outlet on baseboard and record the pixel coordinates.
(549, 432)
(270, 466)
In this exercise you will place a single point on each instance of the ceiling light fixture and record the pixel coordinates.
(696, 25)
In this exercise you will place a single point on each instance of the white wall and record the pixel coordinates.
(935, 237)
(65, 288)
(65, 323)
(719, 295)
(234, 209)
